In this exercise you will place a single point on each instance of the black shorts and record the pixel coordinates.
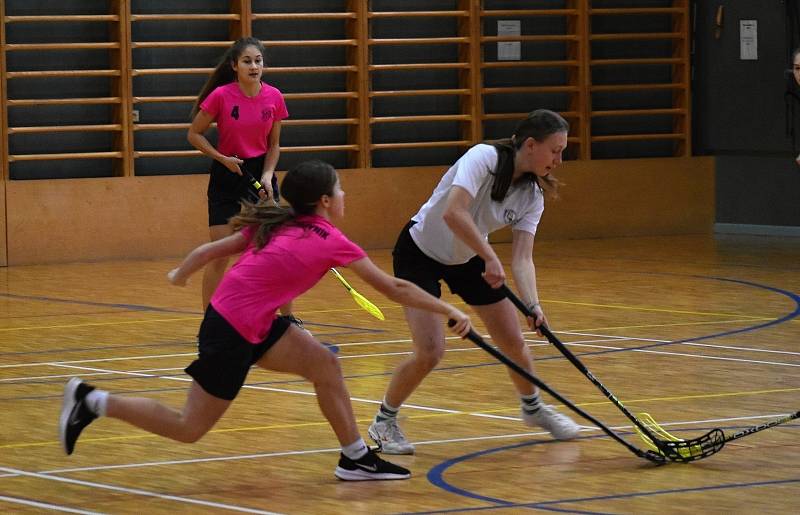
(226, 189)
(225, 358)
(465, 280)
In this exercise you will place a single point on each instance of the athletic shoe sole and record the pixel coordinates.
(67, 405)
(363, 475)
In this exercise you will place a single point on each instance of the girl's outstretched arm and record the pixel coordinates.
(409, 294)
(206, 252)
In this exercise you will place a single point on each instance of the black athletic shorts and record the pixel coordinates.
(226, 189)
(224, 357)
(465, 280)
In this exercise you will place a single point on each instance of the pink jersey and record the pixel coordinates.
(293, 261)
(244, 123)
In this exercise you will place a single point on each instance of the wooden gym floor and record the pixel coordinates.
(701, 332)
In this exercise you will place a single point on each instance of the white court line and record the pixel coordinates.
(46, 506)
(536, 343)
(136, 491)
(697, 356)
(93, 374)
(323, 451)
(690, 344)
(101, 360)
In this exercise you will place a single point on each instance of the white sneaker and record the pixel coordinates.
(389, 438)
(560, 426)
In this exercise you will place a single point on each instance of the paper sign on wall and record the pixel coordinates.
(748, 40)
(509, 50)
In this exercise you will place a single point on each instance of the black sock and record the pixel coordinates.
(531, 403)
(386, 412)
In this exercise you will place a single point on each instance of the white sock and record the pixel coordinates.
(355, 450)
(96, 401)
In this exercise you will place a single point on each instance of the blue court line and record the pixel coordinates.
(436, 477)
(131, 307)
(789, 316)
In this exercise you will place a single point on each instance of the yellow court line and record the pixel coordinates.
(658, 310)
(675, 324)
(415, 417)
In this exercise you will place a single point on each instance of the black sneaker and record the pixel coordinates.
(368, 467)
(75, 415)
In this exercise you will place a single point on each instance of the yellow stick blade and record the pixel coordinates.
(366, 305)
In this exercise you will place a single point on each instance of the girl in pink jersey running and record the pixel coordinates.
(248, 113)
(284, 253)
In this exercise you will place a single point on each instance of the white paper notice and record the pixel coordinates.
(509, 50)
(748, 40)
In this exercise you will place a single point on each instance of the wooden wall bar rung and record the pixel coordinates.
(320, 148)
(640, 112)
(60, 46)
(184, 98)
(62, 73)
(183, 17)
(321, 94)
(639, 137)
(310, 69)
(636, 61)
(418, 14)
(171, 71)
(425, 92)
(67, 18)
(530, 89)
(540, 38)
(419, 66)
(179, 44)
(638, 87)
(320, 121)
(531, 64)
(309, 42)
(421, 144)
(418, 41)
(421, 118)
(65, 128)
(635, 10)
(532, 12)
(63, 101)
(64, 156)
(636, 36)
(302, 16)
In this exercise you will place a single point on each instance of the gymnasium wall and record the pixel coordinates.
(158, 217)
(740, 116)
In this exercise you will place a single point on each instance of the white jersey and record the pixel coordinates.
(521, 209)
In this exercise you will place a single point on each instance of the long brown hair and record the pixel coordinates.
(224, 73)
(302, 187)
(539, 124)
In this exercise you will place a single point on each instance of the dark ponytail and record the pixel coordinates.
(302, 187)
(538, 125)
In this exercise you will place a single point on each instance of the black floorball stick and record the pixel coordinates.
(674, 448)
(480, 342)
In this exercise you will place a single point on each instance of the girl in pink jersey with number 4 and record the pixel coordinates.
(248, 113)
(284, 253)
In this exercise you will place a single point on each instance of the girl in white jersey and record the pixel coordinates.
(489, 187)
(284, 252)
